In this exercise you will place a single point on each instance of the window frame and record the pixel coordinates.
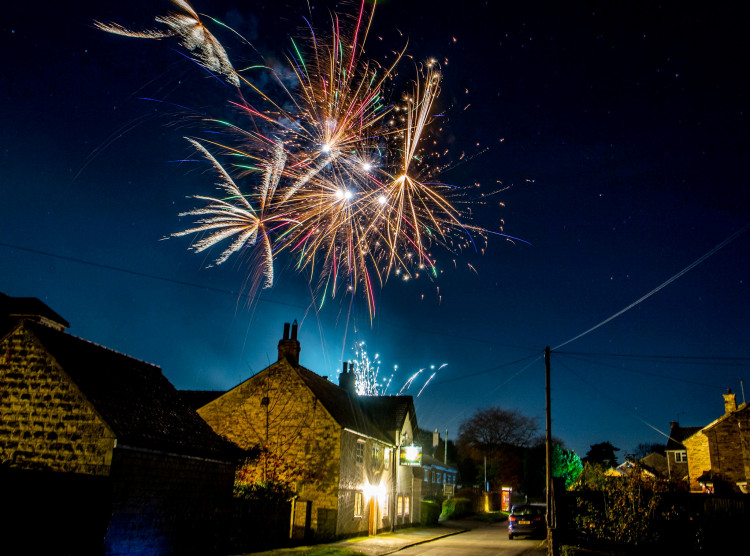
(359, 452)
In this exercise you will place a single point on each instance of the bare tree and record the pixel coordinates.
(495, 436)
(493, 428)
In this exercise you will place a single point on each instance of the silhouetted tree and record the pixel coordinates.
(498, 435)
(645, 448)
(602, 453)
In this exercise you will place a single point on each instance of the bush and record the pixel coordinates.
(456, 508)
(430, 513)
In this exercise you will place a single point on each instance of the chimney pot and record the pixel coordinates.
(289, 348)
(294, 330)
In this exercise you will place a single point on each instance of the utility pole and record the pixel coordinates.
(548, 417)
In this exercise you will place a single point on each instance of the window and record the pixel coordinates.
(426, 475)
(681, 457)
(359, 454)
(406, 505)
(358, 503)
(377, 455)
(387, 458)
(386, 505)
(400, 505)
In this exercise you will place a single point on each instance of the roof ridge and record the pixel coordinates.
(89, 342)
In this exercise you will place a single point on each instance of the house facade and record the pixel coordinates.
(719, 454)
(676, 452)
(108, 435)
(440, 478)
(337, 453)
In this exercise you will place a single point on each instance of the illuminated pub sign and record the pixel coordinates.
(411, 455)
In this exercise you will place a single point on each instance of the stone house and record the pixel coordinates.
(98, 452)
(719, 454)
(338, 452)
(676, 453)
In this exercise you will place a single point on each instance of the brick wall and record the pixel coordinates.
(45, 422)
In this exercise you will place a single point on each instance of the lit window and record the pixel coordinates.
(359, 455)
(386, 505)
(406, 505)
(358, 503)
(400, 505)
(426, 475)
(387, 458)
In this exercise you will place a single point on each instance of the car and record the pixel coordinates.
(527, 519)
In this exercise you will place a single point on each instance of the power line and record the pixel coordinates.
(145, 274)
(241, 295)
(647, 373)
(680, 359)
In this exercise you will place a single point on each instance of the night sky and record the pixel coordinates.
(613, 134)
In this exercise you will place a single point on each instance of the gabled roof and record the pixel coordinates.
(345, 409)
(140, 405)
(740, 409)
(389, 412)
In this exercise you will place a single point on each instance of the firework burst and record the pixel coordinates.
(327, 174)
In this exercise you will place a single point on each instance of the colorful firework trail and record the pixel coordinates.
(332, 171)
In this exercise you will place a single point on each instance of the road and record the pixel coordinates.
(483, 540)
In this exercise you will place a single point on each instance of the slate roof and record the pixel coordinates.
(198, 398)
(345, 409)
(677, 434)
(136, 400)
(389, 412)
(429, 461)
(11, 308)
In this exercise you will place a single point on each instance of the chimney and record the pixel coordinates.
(347, 380)
(289, 347)
(435, 439)
(730, 402)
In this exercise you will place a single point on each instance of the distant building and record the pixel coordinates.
(98, 452)
(343, 455)
(653, 466)
(440, 478)
(719, 454)
(676, 452)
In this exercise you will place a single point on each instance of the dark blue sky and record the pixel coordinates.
(619, 129)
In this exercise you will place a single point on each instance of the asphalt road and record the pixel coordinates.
(482, 540)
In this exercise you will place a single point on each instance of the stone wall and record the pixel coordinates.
(168, 504)
(721, 449)
(45, 422)
(299, 440)
(699, 458)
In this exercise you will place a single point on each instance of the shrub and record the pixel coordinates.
(456, 508)
(430, 513)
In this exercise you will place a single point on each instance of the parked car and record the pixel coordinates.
(527, 519)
